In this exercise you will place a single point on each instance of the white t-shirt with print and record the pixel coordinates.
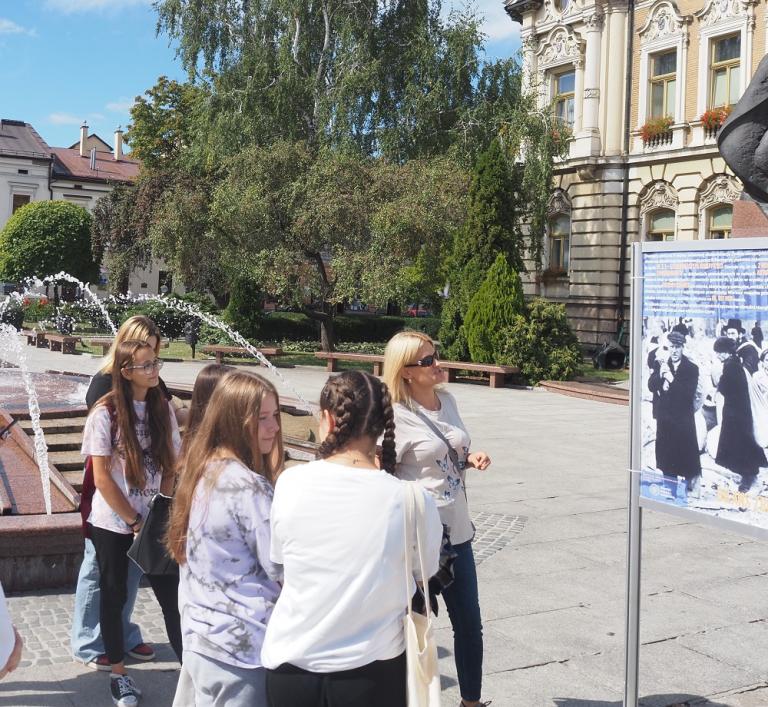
(228, 585)
(97, 442)
(339, 533)
(422, 456)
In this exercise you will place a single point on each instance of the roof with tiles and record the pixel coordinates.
(20, 139)
(68, 164)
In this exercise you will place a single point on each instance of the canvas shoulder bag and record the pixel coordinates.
(423, 674)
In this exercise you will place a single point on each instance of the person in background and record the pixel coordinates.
(219, 534)
(336, 635)
(433, 448)
(132, 438)
(205, 383)
(85, 637)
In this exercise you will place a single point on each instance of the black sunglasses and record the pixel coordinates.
(425, 362)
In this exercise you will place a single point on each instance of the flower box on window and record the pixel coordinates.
(657, 131)
(713, 119)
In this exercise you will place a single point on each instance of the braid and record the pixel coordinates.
(340, 402)
(388, 453)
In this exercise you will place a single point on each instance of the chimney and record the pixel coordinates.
(118, 143)
(83, 139)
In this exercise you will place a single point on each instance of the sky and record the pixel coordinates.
(66, 61)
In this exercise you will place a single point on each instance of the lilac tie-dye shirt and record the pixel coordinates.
(228, 586)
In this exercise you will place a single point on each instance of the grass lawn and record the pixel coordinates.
(588, 372)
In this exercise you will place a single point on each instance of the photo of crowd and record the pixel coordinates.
(705, 415)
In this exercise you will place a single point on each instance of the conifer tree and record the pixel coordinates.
(494, 306)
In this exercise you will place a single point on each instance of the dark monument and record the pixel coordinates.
(743, 143)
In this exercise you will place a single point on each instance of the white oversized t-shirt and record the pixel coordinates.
(97, 442)
(339, 533)
(422, 456)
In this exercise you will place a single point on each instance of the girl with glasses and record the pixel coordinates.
(132, 438)
(433, 447)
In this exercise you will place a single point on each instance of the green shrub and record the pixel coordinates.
(495, 305)
(244, 313)
(543, 346)
(37, 309)
(170, 321)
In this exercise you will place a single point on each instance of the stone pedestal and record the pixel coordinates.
(749, 221)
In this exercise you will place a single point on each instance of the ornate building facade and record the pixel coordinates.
(643, 88)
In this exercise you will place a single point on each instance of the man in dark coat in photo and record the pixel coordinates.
(736, 449)
(673, 382)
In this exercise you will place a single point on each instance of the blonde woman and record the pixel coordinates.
(85, 638)
(219, 534)
(433, 447)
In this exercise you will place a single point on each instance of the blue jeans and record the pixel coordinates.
(463, 606)
(85, 638)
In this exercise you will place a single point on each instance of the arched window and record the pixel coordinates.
(719, 221)
(661, 225)
(559, 242)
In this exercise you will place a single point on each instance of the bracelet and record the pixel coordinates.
(136, 521)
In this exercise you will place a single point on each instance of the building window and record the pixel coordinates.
(661, 225)
(563, 90)
(165, 280)
(725, 71)
(663, 83)
(559, 243)
(719, 222)
(19, 200)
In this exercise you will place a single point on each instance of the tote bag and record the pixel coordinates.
(148, 550)
(423, 675)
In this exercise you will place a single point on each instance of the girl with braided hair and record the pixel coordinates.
(336, 634)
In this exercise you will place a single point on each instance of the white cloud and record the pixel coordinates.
(64, 119)
(122, 105)
(70, 6)
(10, 27)
(95, 117)
(496, 24)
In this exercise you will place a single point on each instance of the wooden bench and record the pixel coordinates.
(31, 337)
(221, 351)
(105, 342)
(496, 373)
(62, 342)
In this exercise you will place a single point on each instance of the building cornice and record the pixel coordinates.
(517, 8)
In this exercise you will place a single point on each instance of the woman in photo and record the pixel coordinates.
(219, 534)
(336, 635)
(132, 438)
(433, 448)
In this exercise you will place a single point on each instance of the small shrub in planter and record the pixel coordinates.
(713, 118)
(655, 127)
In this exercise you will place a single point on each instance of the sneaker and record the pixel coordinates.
(123, 691)
(142, 652)
(100, 663)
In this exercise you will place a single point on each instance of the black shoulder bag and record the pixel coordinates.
(148, 550)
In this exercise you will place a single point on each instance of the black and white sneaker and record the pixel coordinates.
(124, 691)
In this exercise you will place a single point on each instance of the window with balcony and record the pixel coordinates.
(661, 226)
(559, 243)
(663, 82)
(563, 92)
(725, 71)
(719, 222)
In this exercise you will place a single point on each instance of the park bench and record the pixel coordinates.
(62, 342)
(221, 351)
(31, 337)
(104, 342)
(495, 372)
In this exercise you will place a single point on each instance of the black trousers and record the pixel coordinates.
(378, 684)
(111, 549)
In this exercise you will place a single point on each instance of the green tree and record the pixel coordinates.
(495, 306)
(47, 237)
(542, 344)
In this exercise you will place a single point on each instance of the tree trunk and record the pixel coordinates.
(325, 318)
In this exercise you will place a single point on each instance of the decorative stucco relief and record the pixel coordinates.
(663, 21)
(718, 10)
(560, 46)
(721, 189)
(559, 203)
(659, 195)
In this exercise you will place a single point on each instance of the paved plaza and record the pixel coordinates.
(551, 552)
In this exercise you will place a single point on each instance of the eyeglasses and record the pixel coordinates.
(425, 362)
(147, 368)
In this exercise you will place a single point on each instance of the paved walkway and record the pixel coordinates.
(551, 518)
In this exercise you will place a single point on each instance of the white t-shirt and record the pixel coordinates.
(422, 456)
(7, 636)
(97, 442)
(228, 585)
(339, 533)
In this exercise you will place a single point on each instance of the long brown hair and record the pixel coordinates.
(138, 328)
(224, 433)
(205, 383)
(158, 418)
(361, 407)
